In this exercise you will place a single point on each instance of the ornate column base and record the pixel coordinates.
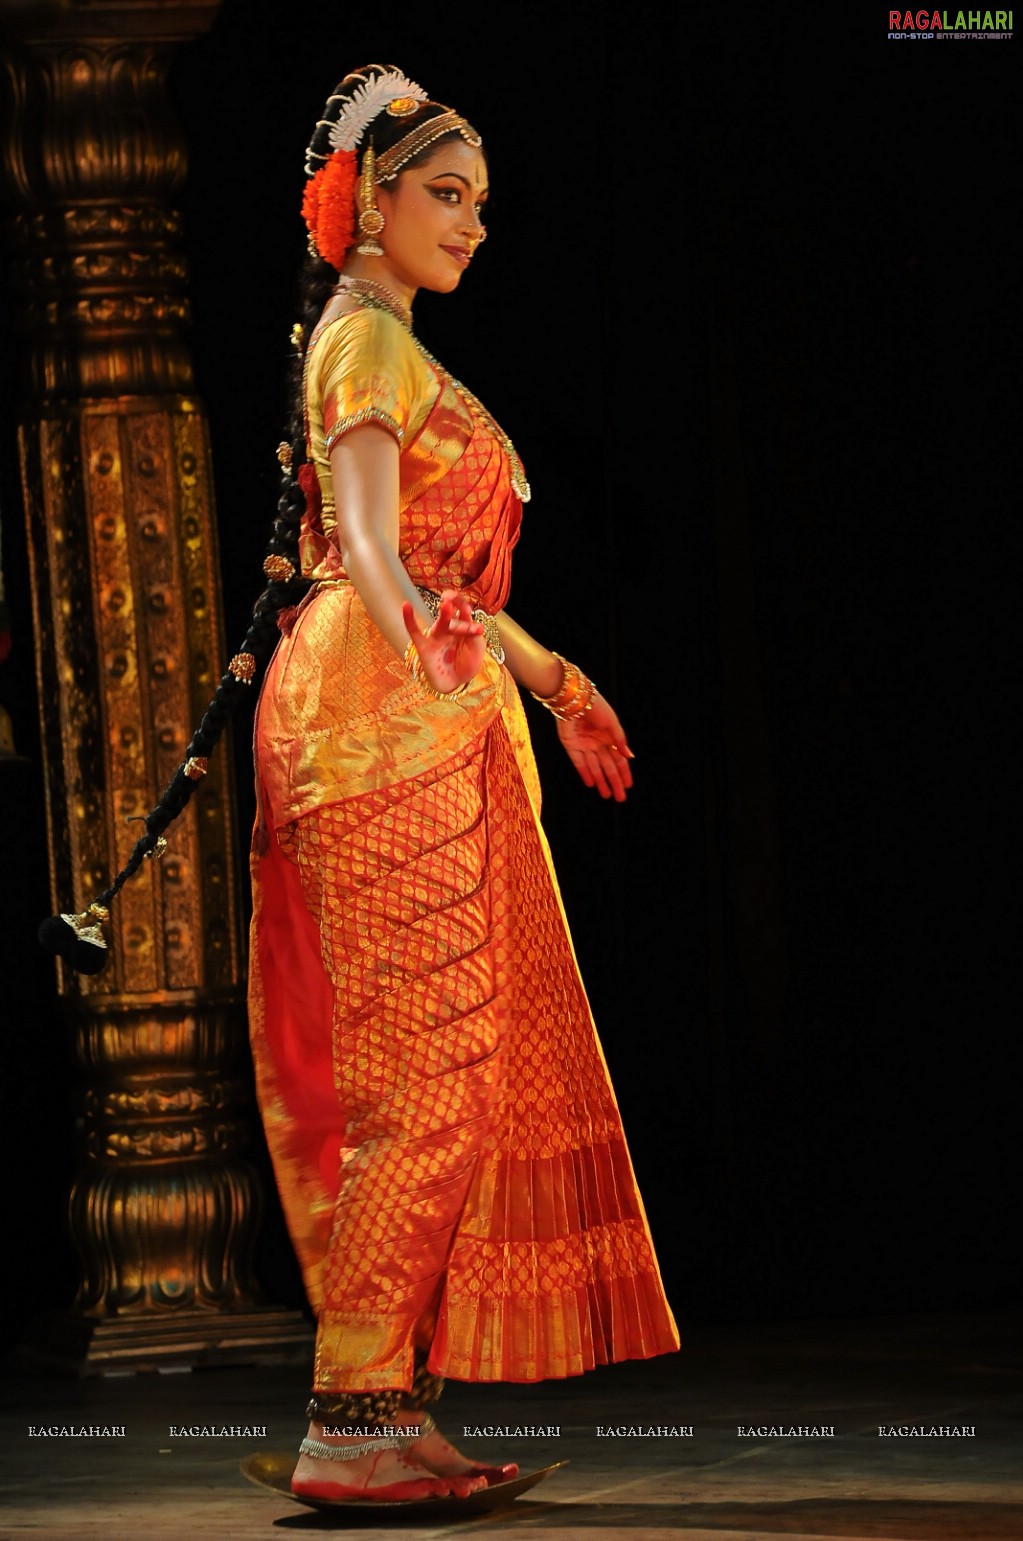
(91, 1346)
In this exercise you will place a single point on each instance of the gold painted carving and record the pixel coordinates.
(126, 600)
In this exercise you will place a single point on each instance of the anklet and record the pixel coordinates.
(321, 1451)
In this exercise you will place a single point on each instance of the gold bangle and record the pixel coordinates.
(414, 665)
(573, 697)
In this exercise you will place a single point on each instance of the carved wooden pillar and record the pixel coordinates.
(119, 501)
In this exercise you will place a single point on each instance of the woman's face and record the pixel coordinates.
(433, 218)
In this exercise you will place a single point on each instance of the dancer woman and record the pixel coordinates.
(445, 1138)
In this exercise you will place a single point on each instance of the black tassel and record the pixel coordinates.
(77, 939)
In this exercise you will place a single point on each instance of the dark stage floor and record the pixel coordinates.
(957, 1371)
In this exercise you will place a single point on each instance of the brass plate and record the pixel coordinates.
(273, 1470)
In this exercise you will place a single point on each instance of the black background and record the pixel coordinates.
(748, 309)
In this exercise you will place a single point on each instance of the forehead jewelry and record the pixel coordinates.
(417, 139)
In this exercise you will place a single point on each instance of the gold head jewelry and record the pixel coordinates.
(417, 139)
(371, 221)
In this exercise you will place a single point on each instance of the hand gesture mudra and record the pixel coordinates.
(451, 650)
(595, 743)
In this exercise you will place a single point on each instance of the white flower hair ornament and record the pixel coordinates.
(336, 186)
(392, 91)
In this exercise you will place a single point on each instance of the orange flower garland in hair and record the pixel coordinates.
(328, 207)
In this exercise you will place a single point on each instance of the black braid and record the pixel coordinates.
(260, 640)
(316, 281)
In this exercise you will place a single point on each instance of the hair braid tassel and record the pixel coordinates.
(78, 938)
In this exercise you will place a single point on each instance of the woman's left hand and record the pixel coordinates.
(597, 747)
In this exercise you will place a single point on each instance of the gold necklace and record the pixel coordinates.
(366, 291)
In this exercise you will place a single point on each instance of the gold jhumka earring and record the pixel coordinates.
(371, 221)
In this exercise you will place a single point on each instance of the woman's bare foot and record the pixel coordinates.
(386, 1475)
(440, 1456)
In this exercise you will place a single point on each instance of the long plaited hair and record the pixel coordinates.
(78, 939)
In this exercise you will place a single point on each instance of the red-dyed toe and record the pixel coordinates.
(468, 1482)
(495, 1475)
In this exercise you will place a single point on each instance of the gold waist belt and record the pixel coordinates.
(490, 630)
(432, 602)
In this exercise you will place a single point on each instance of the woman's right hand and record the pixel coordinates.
(451, 651)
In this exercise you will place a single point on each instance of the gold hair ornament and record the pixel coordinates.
(243, 667)
(278, 568)
(78, 939)
(86, 926)
(159, 845)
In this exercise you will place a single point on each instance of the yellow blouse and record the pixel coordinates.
(364, 367)
(339, 714)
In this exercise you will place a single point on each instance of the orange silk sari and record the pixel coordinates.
(446, 1142)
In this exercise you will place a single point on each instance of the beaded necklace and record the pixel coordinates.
(367, 292)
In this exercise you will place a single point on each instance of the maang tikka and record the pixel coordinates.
(371, 221)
